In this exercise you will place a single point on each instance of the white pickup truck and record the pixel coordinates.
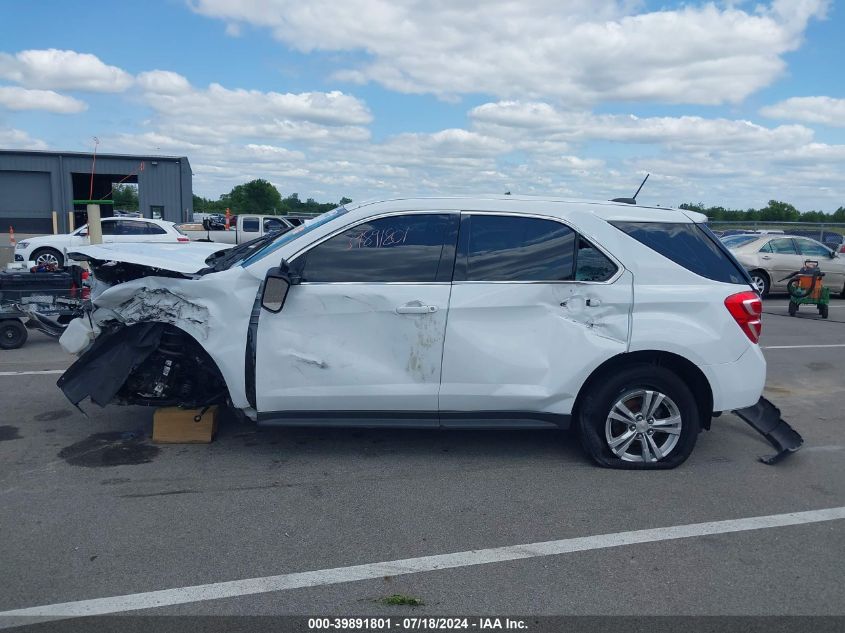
(243, 228)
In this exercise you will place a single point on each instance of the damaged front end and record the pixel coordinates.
(152, 364)
(142, 340)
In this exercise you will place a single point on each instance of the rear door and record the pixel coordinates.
(361, 337)
(535, 308)
(781, 259)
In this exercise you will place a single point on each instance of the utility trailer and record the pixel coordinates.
(43, 301)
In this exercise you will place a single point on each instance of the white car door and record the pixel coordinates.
(534, 309)
(361, 337)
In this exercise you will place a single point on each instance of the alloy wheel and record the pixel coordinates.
(643, 426)
(45, 259)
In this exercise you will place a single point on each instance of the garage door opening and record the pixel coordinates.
(117, 194)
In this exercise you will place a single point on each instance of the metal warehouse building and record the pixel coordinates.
(33, 184)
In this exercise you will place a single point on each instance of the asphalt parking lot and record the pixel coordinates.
(91, 509)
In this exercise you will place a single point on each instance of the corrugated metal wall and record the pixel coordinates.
(163, 182)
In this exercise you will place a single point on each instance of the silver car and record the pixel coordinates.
(769, 258)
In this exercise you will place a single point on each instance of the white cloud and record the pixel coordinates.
(824, 110)
(17, 98)
(575, 51)
(525, 122)
(18, 139)
(218, 114)
(63, 70)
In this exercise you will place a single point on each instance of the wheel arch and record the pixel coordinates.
(684, 368)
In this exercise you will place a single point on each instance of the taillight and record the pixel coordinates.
(746, 308)
(183, 239)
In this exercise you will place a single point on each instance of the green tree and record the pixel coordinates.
(255, 196)
(125, 197)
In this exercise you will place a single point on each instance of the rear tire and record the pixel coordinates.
(823, 310)
(761, 282)
(661, 435)
(793, 308)
(13, 334)
(48, 256)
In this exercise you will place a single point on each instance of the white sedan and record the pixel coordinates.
(52, 249)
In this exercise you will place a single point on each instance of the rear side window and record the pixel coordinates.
(154, 229)
(511, 248)
(690, 245)
(250, 225)
(405, 248)
(591, 264)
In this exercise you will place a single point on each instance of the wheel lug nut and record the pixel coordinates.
(651, 431)
(632, 428)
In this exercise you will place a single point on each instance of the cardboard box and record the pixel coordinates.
(172, 425)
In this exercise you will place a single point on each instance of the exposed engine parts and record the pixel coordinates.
(151, 364)
(179, 372)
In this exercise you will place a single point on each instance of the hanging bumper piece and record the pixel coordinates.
(764, 417)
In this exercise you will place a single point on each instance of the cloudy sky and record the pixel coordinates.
(729, 102)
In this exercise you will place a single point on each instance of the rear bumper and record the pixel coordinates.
(738, 384)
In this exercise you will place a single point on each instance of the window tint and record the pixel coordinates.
(404, 248)
(250, 225)
(154, 229)
(591, 264)
(812, 248)
(513, 248)
(783, 247)
(692, 246)
(109, 227)
(271, 224)
(131, 228)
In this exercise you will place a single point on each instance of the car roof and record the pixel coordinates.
(604, 209)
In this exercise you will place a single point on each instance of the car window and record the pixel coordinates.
(109, 227)
(153, 229)
(131, 228)
(784, 246)
(591, 264)
(735, 241)
(404, 248)
(271, 224)
(812, 248)
(514, 248)
(766, 248)
(690, 245)
(250, 225)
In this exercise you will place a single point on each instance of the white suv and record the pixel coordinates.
(632, 323)
(52, 249)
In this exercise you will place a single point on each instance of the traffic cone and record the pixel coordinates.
(12, 241)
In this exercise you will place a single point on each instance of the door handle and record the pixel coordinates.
(766, 257)
(416, 307)
(592, 303)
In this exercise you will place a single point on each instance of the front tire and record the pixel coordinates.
(643, 417)
(48, 256)
(761, 282)
(13, 334)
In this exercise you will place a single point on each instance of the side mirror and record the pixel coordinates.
(276, 286)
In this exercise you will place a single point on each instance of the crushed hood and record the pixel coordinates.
(185, 258)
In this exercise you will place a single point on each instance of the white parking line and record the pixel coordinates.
(32, 373)
(800, 346)
(322, 577)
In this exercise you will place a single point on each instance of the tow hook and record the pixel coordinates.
(764, 417)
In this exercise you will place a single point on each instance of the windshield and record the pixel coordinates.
(294, 233)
